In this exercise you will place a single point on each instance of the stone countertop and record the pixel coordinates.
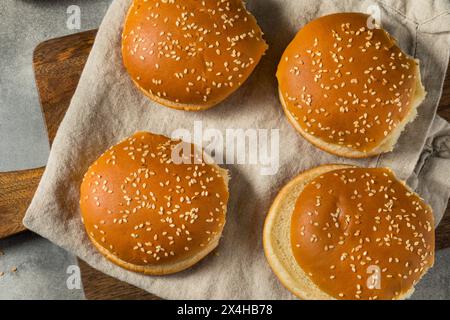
(24, 24)
(31, 267)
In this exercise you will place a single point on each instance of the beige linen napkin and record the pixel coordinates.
(107, 107)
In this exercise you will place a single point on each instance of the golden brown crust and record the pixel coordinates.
(149, 214)
(356, 218)
(320, 144)
(190, 54)
(342, 220)
(160, 269)
(173, 105)
(346, 88)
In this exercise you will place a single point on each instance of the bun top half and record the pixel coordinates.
(360, 233)
(348, 88)
(190, 54)
(144, 210)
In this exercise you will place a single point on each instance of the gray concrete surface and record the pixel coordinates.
(41, 269)
(23, 24)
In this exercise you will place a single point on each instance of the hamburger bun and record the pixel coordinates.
(190, 54)
(342, 232)
(348, 89)
(148, 214)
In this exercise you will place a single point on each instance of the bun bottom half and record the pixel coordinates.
(277, 243)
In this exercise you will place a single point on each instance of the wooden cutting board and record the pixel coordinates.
(58, 64)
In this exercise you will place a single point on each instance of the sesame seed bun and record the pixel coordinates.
(348, 89)
(330, 227)
(148, 212)
(190, 54)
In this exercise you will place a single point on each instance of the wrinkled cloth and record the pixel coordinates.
(107, 107)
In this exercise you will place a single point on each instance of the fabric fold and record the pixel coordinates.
(431, 177)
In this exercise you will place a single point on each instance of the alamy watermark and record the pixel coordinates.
(374, 19)
(74, 17)
(234, 146)
(374, 280)
(73, 281)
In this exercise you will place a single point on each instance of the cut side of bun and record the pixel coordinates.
(277, 238)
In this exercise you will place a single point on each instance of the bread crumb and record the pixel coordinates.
(14, 269)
